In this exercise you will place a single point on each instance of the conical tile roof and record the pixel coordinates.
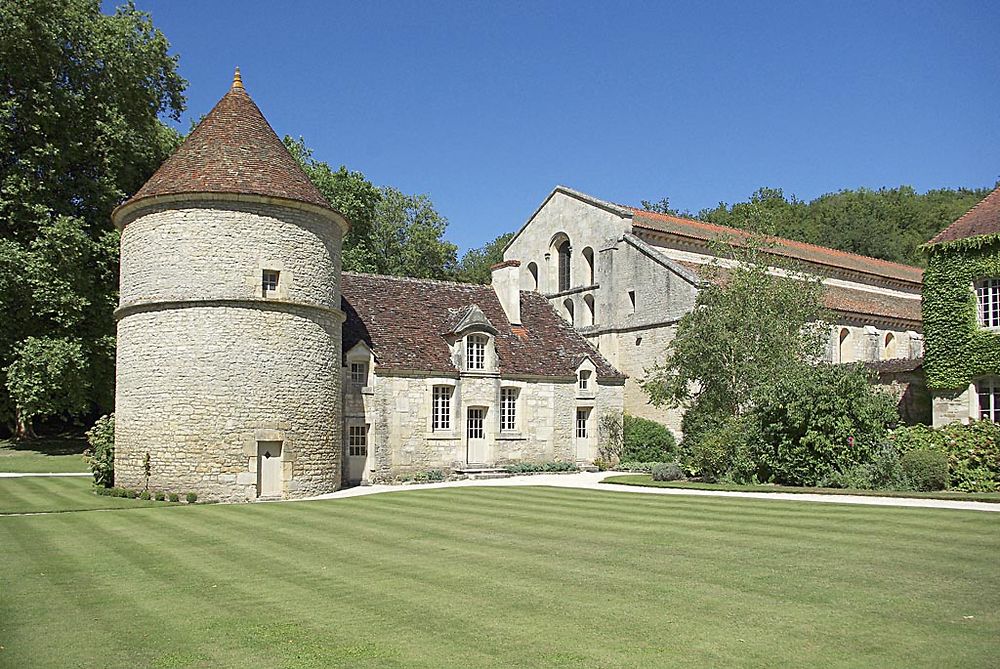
(233, 150)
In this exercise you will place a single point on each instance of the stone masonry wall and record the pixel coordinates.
(208, 366)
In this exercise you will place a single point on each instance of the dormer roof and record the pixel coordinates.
(233, 151)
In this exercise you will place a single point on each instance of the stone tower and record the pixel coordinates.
(229, 325)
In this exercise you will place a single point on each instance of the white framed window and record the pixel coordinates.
(508, 409)
(989, 398)
(357, 440)
(584, 379)
(269, 280)
(441, 408)
(476, 423)
(988, 302)
(359, 373)
(475, 351)
(582, 420)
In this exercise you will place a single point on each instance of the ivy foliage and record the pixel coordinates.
(957, 349)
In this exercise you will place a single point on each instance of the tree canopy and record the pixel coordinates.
(80, 130)
(888, 223)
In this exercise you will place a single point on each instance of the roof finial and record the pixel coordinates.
(237, 80)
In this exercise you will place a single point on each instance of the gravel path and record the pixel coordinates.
(592, 481)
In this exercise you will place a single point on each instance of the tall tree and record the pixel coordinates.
(81, 94)
(476, 263)
(391, 232)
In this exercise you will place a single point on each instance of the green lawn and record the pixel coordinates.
(502, 577)
(43, 456)
(38, 494)
(646, 480)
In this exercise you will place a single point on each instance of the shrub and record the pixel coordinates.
(667, 471)
(825, 418)
(883, 472)
(610, 440)
(429, 476)
(630, 466)
(926, 469)
(174, 497)
(724, 453)
(144, 495)
(160, 496)
(132, 494)
(646, 441)
(545, 467)
(973, 451)
(101, 454)
(191, 497)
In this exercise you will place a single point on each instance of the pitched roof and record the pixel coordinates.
(404, 321)
(982, 219)
(233, 150)
(788, 248)
(841, 299)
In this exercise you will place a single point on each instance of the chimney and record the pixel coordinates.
(507, 286)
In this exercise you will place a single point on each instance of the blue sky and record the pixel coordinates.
(487, 106)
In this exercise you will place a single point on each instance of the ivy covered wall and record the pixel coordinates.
(956, 348)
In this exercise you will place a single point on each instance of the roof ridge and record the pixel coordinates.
(415, 279)
(717, 226)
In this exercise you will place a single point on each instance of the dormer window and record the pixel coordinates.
(475, 352)
(988, 302)
(269, 281)
(584, 379)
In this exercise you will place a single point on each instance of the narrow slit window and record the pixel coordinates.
(631, 299)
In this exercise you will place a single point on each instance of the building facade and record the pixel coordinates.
(624, 278)
(244, 373)
(962, 316)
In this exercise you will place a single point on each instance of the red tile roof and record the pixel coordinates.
(403, 321)
(233, 150)
(784, 247)
(983, 219)
(845, 300)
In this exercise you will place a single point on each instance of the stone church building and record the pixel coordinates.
(250, 366)
(624, 277)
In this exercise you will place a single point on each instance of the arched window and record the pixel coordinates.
(890, 346)
(846, 354)
(564, 257)
(589, 301)
(588, 255)
(568, 304)
(533, 273)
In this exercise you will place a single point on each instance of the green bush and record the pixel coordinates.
(630, 466)
(132, 494)
(160, 496)
(724, 453)
(101, 454)
(824, 419)
(191, 497)
(973, 451)
(883, 472)
(646, 441)
(667, 471)
(926, 469)
(174, 497)
(429, 476)
(144, 495)
(541, 467)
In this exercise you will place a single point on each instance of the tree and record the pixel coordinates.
(391, 232)
(476, 263)
(749, 327)
(80, 97)
(407, 237)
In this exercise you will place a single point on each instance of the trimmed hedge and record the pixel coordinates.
(646, 441)
(926, 470)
